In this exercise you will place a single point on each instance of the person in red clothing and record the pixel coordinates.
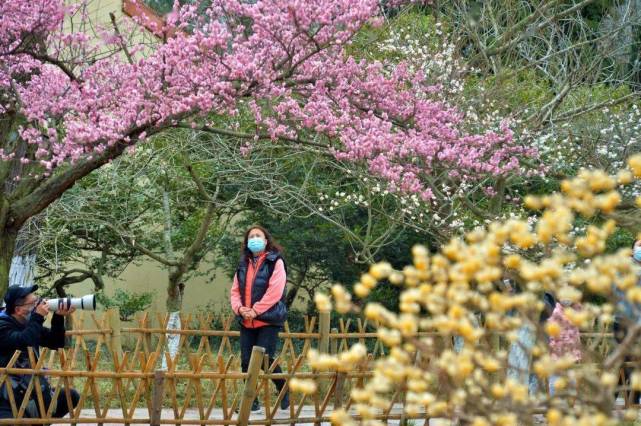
(258, 298)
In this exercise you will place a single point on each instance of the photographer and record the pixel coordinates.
(21, 327)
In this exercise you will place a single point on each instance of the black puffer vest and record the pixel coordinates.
(277, 314)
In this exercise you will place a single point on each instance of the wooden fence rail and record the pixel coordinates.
(199, 393)
(214, 335)
(118, 371)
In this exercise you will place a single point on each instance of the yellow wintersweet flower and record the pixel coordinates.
(635, 380)
(524, 240)
(368, 281)
(506, 419)
(412, 410)
(323, 304)
(609, 379)
(578, 318)
(396, 278)
(634, 294)
(389, 337)
(480, 421)
(489, 364)
(561, 383)
(419, 251)
(361, 291)
(303, 386)
(453, 249)
(634, 163)
(411, 276)
(553, 329)
(380, 270)
(498, 391)
(365, 410)
(340, 417)
(456, 312)
(544, 367)
(437, 409)
(554, 417)
(599, 180)
(532, 203)
(608, 202)
(407, 325)
(512, 261)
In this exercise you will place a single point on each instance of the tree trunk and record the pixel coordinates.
(175, 292)
(291, 296)
(296, 286)
(22, 270)
(23, 265)
(7, 247)
(634, 63)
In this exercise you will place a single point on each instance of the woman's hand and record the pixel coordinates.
(247, 313)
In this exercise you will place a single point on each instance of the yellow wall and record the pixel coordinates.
(100, 9)
(149, 276)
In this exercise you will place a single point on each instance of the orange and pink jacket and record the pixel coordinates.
(273, 294)
(568, 342)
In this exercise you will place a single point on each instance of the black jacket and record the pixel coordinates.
(17, 336)
(277, 314)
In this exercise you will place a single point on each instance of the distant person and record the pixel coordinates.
(258, 299)
(568, 341)
(627, 313)
(520, 352)
(21, 327)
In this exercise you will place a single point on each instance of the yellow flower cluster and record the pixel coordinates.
(458, 366)
(340, 417)
(377, 272)
(594, 241)
(323, 303)
(304, 386)
(546, 366)
(555, 417)
(461, 291)
(634, 163)
(342, 298)
(322, 362)
(345, 361)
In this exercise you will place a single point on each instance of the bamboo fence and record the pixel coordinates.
(119, 373)
(121, 377)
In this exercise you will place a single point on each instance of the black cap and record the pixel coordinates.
(16, 292)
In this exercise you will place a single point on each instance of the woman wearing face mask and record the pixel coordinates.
(627, 314)
(258, 298)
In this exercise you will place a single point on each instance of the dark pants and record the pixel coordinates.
(61, 407)
(266, 337)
